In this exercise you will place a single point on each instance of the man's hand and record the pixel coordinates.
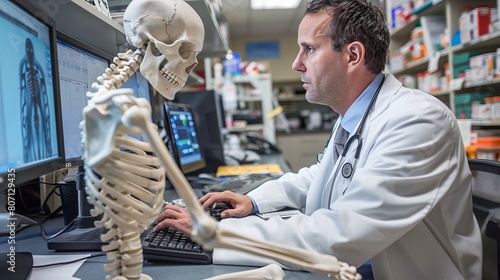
(241, 205)
(174, 216)
(178, 217)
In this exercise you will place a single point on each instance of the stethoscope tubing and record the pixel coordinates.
(347, 167)
(361, 126)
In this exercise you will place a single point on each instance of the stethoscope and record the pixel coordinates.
(347, 167)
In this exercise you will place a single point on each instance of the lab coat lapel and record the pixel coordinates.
(321, 194)
(323, 178)
(339, 183)
(389, 89)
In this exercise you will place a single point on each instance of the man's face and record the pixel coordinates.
(322, 69)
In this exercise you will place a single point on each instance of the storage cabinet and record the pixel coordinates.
(261, 101)
(450, 11)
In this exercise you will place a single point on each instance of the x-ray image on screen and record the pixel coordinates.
(35, 112)
(28, 130)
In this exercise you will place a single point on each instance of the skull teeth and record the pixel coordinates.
(172, 78)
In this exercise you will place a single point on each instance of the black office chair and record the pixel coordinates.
(486, 199)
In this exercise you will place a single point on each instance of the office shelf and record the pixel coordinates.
(451, 10)
(263, 102)
(215, 42)
(84, 22)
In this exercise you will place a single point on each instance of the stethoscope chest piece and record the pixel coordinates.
(347, 170)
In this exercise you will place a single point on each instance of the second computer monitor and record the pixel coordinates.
(183, 142)
(79, 67)
(207, 107)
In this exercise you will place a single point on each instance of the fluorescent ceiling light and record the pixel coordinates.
(274, 4)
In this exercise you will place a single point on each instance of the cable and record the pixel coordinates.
(65, 229)
(68, 262)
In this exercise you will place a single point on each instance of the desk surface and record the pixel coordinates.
(93, 268)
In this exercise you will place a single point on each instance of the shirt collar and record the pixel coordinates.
(354, 114)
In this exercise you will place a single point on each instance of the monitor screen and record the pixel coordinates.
(208, 109)
(183, 136)
(140, 86)
(31, 142)
(141, 89)
(79, 67)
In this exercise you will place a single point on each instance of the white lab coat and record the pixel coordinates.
(408, 208)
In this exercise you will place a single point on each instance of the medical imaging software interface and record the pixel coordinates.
(78, 69)
(27, 113)
(185, 136)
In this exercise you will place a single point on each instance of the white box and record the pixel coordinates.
(498, 62)
(478, 75)
(474, 24)
(468, 77)
(486, 59)
(396, 62)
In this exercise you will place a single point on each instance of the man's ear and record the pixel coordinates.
(355, 55)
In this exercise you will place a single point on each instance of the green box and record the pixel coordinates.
(463, 58)
(459, 68)
(463, 102)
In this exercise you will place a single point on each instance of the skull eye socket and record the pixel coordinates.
(154, 50)
(186, 50)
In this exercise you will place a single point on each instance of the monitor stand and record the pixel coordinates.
(86, 237)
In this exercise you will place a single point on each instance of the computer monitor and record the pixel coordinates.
(183, 142)
(141, 89)
(208, 109)
(31, 141)
(140, 86)
(79, 67)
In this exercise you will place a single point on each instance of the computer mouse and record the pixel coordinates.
(207, 176)
(217, 208)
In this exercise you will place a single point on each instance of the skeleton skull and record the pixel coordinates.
(171, 34)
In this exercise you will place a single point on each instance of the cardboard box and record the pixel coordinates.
(473, 24)
(478, 75)
(396, 62)
(498, 63)
(463, 103)
(487, 59)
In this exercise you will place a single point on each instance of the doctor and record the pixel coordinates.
(400, 192)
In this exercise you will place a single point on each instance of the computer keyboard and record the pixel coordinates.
(241, 185)
(171, 245)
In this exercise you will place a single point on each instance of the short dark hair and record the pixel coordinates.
(356, 20)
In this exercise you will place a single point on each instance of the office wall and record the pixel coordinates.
(281, 68)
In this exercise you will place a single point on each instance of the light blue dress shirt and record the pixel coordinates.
(354, 114)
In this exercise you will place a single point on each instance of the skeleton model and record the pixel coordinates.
(35, 116)
(127, 187)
